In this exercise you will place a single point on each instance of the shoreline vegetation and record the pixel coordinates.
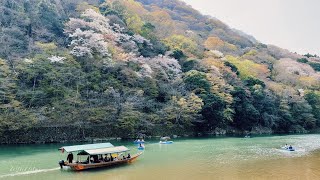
(73, 135)
(73, 70)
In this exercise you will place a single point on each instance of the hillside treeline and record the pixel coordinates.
(131, 66)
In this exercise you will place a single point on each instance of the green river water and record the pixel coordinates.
(225, 158)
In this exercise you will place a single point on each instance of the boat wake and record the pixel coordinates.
(28, 172)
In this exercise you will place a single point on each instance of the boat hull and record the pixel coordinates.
(138, 142)
(165, 142)
(81, 167)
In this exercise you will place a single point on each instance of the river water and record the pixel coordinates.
(225, 158)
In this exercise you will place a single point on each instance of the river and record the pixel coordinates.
(224, 158)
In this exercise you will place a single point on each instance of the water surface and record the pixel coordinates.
(206, 158)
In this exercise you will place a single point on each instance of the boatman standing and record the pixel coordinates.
(70, 157)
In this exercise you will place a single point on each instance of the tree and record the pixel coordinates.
(302, 112)
(213, 112)
(313, 98)
(14, 23)
(302, 60)
(49, 17)
(286, 119)
(182, 43)
(135, 23)
(246, 115)
(196, 81)
(183, 111)
(247, 68)
(88, 35)
(213, 43)
(15, 119)
(232, 67)
(7, 87)
(315, 66)
(188, 65)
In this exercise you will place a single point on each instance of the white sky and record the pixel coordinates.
(290, 24)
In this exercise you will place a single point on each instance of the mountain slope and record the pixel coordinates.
(124, 67)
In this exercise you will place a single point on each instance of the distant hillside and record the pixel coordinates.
(72, 70)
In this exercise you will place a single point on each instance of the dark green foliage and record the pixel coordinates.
(303, 60)
(310, 55)
(116, 9)
(189, 65)
(178, 54)
(133, 66)
(313, 99)
(232, 66)
(150, 88)
(24, 22)
(50, 18)
(315, 66)
(148, 30)
(286, 120)
(246, 115)
(15, 119)
(196, 81)
(153, 50)
(251, 81)
(302, 112)
(212, 112)
(261, 46)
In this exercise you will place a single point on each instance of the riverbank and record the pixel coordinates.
(42, 135)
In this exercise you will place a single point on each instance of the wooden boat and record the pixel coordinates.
(94, 156)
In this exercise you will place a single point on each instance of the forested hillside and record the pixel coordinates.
(157, 67)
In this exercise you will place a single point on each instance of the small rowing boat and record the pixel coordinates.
(165, 142)
(288, 148)
(138, 141)
(141, 148)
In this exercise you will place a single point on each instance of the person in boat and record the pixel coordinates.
(290, 147)
(286, 146)
(124, 158)
(88, 160)
(115, 158)
(129, 156)
(70, 157)
(106, 159)
(111, 158)
(96, 159)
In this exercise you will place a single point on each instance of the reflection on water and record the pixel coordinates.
(212, 158)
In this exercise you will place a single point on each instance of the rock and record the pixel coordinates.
(219, 131)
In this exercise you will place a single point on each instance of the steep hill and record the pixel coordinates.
(70, 70)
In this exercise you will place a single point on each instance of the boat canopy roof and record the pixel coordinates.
(110, 150)
(86, 147)
(165, 138)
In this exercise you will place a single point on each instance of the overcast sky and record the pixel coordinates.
(290, 24)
